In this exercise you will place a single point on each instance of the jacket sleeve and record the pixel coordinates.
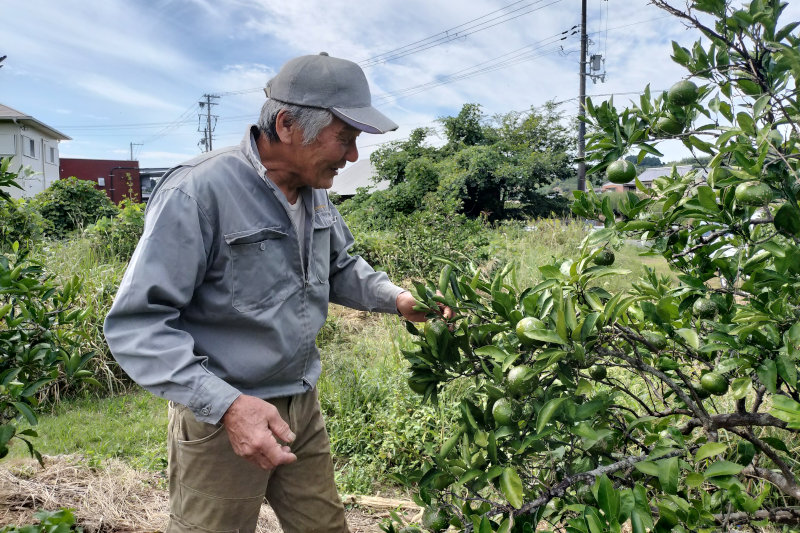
(143, 326)
(353, 282)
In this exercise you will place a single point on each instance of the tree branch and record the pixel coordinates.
(733, 420)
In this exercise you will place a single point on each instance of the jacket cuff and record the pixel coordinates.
(212, 400)
(387, 298)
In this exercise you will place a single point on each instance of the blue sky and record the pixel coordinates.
(109, 73)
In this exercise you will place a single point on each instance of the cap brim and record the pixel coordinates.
(366, 119)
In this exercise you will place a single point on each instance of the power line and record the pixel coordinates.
(452, 34)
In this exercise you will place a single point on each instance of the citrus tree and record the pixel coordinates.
(674, 405)
(39, 337)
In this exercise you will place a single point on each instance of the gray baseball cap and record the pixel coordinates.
(337, 85)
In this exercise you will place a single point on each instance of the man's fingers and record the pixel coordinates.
(279, 427)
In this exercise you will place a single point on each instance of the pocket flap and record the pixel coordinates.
(255, 235)
(323, 219)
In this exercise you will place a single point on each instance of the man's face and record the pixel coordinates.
(318, 163)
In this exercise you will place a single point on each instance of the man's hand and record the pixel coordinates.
(405, 306)
(254, 428)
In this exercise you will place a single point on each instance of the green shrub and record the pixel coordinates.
(71, 204)
(408, 247)
(117, 236)
(20, 222)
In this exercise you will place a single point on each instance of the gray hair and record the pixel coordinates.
(310, 119)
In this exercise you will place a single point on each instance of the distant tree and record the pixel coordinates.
(648, 161)
(485, 162)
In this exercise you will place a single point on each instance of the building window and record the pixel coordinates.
(51, 155)
(28, 146)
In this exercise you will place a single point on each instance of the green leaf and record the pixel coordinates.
(26, 411)
(637, 521)
(740, 387)
(690, 336)
(768, 375)
(607, 498)
(723, 468)
(647, 467)
(493, 352)
(546, 335)
(694, 480)
(787, 369)
(786, 409)
(547, 412)
(709, 449)
(707, 198)
(668, 470)
(511, 487)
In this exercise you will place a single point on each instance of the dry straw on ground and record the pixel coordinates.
(113, 497)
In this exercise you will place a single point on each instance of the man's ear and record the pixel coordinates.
(285, 126)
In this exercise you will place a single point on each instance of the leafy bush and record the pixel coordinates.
(409, 246)
(20, 221)
(672, 405)
(117, 236)
(71, 204)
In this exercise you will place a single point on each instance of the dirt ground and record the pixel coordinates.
(112, 497)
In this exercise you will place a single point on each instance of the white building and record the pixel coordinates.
(33, 146)
(354, 176)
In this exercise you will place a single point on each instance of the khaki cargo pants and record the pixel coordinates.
(213, 489)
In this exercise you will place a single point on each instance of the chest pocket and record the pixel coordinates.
(260, 267)
(321, 266)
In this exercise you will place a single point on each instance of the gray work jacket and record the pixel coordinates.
(218, 300)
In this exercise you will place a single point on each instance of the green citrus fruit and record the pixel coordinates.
(753, 193)
(700, 391)
(714, 383)
(435, 519)
(604, 258)
(658, 341)
(598, 372)
(503, 412)
(682, 93)
(620, 171)
(520, 382)
(787, 220)
(704, 308)
(669, 125)
(525, 328)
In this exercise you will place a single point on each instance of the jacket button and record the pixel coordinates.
(205, 411)
(263, 246)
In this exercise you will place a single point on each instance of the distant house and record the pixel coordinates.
(647, 177)
(119, 178)
(149, 178)
(32, 145)
(359, 174)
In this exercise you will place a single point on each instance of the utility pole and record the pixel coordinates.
(132, 145)
(208, 130)
(582, 104)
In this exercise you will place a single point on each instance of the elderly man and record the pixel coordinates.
(221, 303)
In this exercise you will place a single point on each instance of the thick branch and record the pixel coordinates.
(785, 515)
(786, 486)
(733, 420)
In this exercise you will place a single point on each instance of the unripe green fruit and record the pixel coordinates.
(620, 171)
(682, 93)
(503, 412)
(598, 372)
(659, 342)
(435, 519)
(519, 381)
(604, 258)
(524, 329)
(753, 193)
(714, 383)
(704, 308)
(669, 125)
